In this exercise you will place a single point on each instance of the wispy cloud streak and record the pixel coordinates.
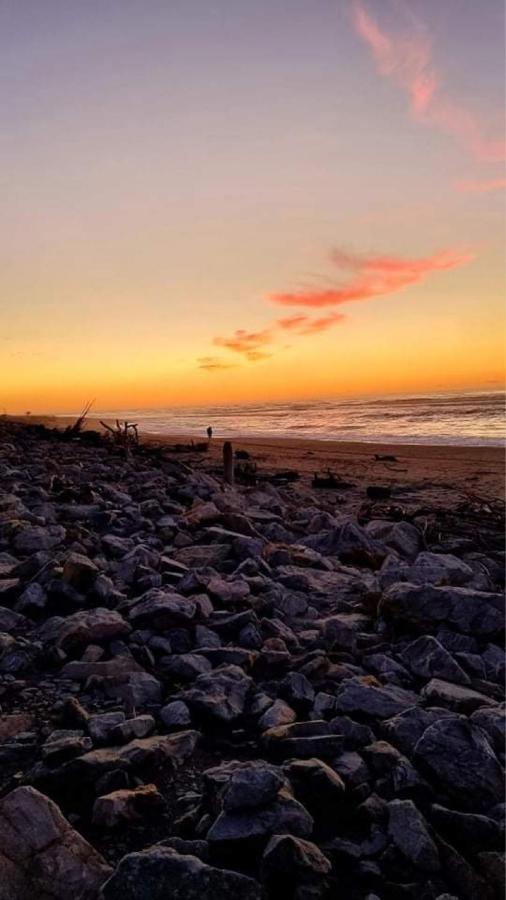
(373, 276)
(407, 60)
(481, 187)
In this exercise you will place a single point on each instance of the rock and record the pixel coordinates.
(493, 723)
(251, 786)
(34, 537)
(399, 536)
(90, 626)
(80, 572)
(175, 714)
(341, 630)
(284, 815)
(158, 873)
(278, 714)
(357, 695)
(316, 785)
(293, 860)
(459, 608)
(40, 853)
(427, 568)
(405, 729)
(303, 740)
(458, 756)
(138, 727)
(126, 805)
(427, 658)
(158, 608)
(102, 725)
(469, 829)
(219, 695)
(455, 696)
(159, 749)
(33, 598)
(408, 830)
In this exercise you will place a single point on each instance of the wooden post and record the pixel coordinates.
(228, 462)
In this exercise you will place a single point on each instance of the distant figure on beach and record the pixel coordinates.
(209, 433)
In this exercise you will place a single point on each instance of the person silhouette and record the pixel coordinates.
(209, 433)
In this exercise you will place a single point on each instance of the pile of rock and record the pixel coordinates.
(249, 690)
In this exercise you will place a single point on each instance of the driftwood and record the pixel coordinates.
(124, 434)
(76, 428)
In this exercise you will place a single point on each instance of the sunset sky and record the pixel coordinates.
(228, 200)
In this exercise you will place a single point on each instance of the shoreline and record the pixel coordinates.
(448, 472)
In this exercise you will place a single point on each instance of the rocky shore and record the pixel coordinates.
(270, 691)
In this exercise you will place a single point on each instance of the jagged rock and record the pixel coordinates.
(277, 714)
(159, 872)
(293, 860)
(126, 805)
(90, 626)
(493, 723)
(303, 740)
(101, 726)
(458, 756)
(426, 607)
(359, 696)
(40, 853)
(34, 537)
(79, 571)
(219, 695)
(400, 536)
(283, 815)
(175, 714)
(316, 785)
(455, 696)
(427, 568)
(408, 830)
(406, 728)
(427, 658)
(469, 829)
(158, 608)
(251, 786)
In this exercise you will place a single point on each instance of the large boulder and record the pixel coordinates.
(459, 758)
(41, 855)
(427, 607)
(158, 873)
(358, 695)
(91, 626)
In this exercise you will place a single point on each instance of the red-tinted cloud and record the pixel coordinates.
(407, 60)
(373, 276)
(481, 187)
(248, 343)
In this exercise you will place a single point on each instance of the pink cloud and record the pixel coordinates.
(407, 60)
(481, 187)
(373, 276)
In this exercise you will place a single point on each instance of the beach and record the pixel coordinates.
(230, 676)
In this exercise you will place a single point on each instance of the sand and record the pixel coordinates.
(442, 474)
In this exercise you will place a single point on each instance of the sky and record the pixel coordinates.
(225, 201)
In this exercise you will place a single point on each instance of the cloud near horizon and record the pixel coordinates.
(214, 364)
(407, 60)
(371, 277)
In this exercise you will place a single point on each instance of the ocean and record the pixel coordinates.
(465, 418)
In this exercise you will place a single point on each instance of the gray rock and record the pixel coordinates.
(159, 872)
(40, 853)
(458, 756)
(408, 830)
(293, 860)
(427, 607)
(278, 714)
(283, 816)
(79, 571)
(251, 786)
(400, 536)
(90, 626)
(219, 695)
(427, 658)
(493, 723)
(126, 805)
(358, 696)
(455, 696)
(175, 714)
(158, 608)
